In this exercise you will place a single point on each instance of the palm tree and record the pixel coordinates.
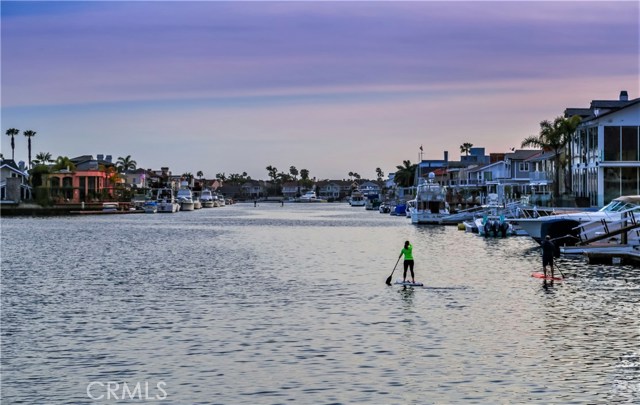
(304, 174)
(42, 158)
(63, 163)
(406, 174)
(379, 173)
(126, 163)
(273, 172)
(29, 134)
(221, 176)
(554, 137)
(187, 177)
(294, 172)
(12, 132)
(466, 148)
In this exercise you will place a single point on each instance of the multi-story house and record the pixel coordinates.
(90, 180)
(332, 190)
(605, 150)
(291, 189)
(254, 189)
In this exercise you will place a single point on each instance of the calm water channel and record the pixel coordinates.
(272, 305)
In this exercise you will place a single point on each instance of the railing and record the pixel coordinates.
(602, 229)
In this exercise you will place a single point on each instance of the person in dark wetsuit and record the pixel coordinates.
(408, 261)
(548, 252)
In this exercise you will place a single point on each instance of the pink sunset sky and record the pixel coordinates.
(331, 87)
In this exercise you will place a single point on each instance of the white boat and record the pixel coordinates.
(309, 196)
(185, 199)
(431, 205)
(357, 199)
(206, 198)
(110, 207)
(166, 200)
(411, 206)
(197, 204)
(565, 225)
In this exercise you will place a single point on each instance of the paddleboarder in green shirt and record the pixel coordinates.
(408, 261)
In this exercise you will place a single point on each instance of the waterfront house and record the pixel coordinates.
(291, 189)
(254, 189)
(605, 150)
(333, 190)
(14, 185)
(90, 180)
(370, 188)
(139, 178)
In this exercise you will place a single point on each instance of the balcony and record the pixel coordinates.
(539, 177)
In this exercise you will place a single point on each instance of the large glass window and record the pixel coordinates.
(629, 143)
(593, 143)
(611, 183)
(629, 180)
(611, 144)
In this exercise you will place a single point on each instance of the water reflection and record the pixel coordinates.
(274, 304)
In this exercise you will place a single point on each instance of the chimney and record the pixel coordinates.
(100, 157)
(446, 155)
(624, 96)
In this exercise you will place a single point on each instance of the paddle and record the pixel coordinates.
(555, 266)
(394, 269)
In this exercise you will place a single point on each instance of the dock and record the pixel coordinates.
(606, 254)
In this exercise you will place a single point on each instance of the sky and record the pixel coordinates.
(331, 87)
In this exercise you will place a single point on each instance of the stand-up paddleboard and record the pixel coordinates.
(541, 275)
(408, 283)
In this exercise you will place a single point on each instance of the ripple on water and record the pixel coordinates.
(279, 304)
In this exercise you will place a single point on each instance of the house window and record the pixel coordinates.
(629, 143)
(629, 180)
(523, 166)
(611, 183)
(611, 144)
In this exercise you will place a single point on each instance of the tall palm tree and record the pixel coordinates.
(126, 163)
(569, 126)
(466, 148)
(379, 173)
(29, 134)
(553, 136)
(273, 172)
(12, 132)
(406, 174)
(200, 175)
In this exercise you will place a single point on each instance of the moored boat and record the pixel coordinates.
(185, 199)
(431, 205)
(566, 225)
(166, 201)
(357, 199)
(206, 198)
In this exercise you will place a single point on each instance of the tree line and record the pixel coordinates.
(553, 136)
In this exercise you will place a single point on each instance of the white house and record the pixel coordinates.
(605, 150)
(14, 186)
